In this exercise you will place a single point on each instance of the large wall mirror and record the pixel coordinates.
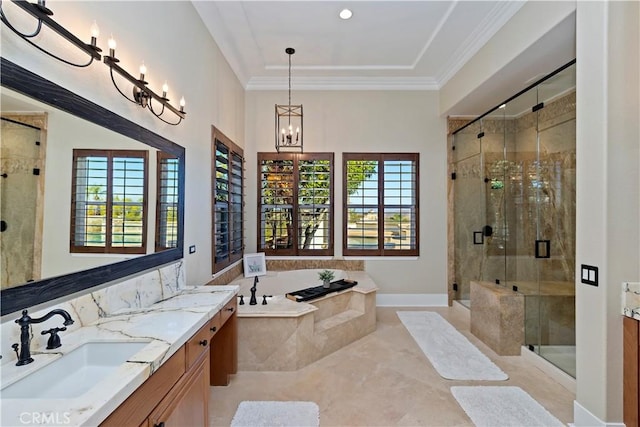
(45, 190)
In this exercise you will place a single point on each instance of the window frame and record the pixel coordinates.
(217, 137)
(108, 248)
(380, 158)
(296, 158)
(160, 157)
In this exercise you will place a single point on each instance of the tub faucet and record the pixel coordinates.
(24, 356)
(253, 300)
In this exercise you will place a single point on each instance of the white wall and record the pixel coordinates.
(607, 202)
(175, 46)
(367, 121)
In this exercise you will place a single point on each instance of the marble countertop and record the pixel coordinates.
(165, 325)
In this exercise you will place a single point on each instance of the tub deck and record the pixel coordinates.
(286, 335)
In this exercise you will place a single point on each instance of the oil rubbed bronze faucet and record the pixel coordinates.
(24, 355)
(253, 300)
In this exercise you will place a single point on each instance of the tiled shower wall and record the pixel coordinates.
(514, 200)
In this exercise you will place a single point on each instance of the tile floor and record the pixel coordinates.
(384, 379)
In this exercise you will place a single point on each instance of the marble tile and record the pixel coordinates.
(497, 317)
(286, 335)
(384, 379)
(130, 294)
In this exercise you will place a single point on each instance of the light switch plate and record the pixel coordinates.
(192, 249)
(589, 275)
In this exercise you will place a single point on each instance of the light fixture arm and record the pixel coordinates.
(43, 15)
(142, 94)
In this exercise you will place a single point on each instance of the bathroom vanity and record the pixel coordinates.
(178, 393)
(182, 344)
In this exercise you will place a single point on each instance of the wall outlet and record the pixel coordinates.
(192, 249)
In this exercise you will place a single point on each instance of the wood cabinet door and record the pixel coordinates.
(188, 402)
(631, 367)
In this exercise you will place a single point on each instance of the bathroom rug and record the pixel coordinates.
(505, 406)
(272, 414)
(451, 353)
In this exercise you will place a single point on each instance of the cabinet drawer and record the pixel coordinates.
(214, 324)
(198, 344)
(228, 310)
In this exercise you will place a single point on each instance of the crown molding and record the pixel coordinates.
(343, 83)
(500, 14)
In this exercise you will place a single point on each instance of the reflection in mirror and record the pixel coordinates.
(42, 265)
(92, 200)
(167, 202)
(21, 184)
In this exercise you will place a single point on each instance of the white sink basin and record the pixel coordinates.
(74, 373)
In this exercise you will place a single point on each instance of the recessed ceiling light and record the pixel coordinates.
(346, 14)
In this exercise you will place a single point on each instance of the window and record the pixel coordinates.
(109, 201)
(380, 200)
(167, 202)
(228, 202)
(295, 203)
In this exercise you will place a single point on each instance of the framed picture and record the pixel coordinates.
(254, 264)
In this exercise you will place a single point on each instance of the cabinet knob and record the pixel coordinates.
(159, 424)
(230, 309)
(203, 343)
(213, 329)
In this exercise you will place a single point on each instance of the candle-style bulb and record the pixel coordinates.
(143, 71)
(95, 30)
(182, 104)
(165, 89)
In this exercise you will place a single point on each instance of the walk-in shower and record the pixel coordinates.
(513, 208)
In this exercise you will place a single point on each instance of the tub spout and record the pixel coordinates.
(253, 300)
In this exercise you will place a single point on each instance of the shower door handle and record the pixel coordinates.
(543, 249)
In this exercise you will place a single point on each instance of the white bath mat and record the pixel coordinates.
(272, 414)
(450, 352)
(490, 406)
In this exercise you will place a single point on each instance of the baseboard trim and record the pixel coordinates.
(412, 300)
(583, 418)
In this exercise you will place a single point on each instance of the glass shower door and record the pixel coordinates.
(469, 209)
(555, 244)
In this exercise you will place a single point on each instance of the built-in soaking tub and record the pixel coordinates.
(285, 335)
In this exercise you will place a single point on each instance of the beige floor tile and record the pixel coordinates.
(384, 379)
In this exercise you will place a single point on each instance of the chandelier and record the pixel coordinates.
(289, 120)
